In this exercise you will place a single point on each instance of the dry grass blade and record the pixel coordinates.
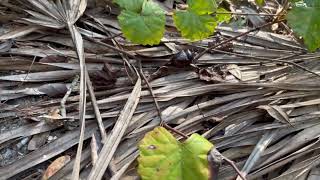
(40, 76)
(277, 113)
(257, 151)
(78, 42)
(300, 139)
(94, 149)
(118, 131)
(19, 32)
(96, 109)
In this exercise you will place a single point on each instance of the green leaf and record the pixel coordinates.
(202, 6)
(130, 5)
(194, 26)
(223, 17)
(162, 157)
(144, 28)
(305, 22)
(260, 2)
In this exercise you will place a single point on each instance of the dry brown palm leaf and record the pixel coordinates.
(48, 151)
(58, 15)
(114, 139)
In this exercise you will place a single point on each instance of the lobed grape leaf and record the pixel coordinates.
(145, 27)
(162, 157)
(224, 16)
(131, 5)
(202, 6)
(194, 26)
(306, 23)
(198, 22)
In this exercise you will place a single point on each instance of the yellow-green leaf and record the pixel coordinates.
(224, 16)
(147, 27)
(260, 2)
(194, 26)
(202, 6)
(162, 157)
(305, 22)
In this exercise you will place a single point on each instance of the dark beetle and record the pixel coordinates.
(182, 59)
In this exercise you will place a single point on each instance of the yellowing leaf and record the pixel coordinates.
(55, 166)
(146, 27)
(162, 157)
(202, 6)
(194, 26)
(305, 22)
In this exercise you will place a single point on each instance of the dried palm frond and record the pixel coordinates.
(58, 15)
(262, 114)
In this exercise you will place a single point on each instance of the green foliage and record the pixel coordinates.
(198, 22)
(132, 5)
(143, 25)
(223, 17)
(143, 21)
(305, 22)
(162, 157)
(194, 26)
(260, 2)
(202, 6)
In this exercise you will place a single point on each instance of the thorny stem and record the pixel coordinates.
(162, 122)
(234, 166)
(231, 39)
(147, 83)
(96, 108)
(216, 158)
(245, 14)
(245, 33)
(278, 60)
(113, 36)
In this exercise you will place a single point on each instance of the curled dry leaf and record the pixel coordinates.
(106, 77)
(235, 71)
(55, 166)
(276, 112)
(213, 74)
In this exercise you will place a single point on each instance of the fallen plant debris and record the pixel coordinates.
(77, 97)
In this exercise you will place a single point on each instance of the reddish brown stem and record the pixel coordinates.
(231, 39)
(234, 166)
